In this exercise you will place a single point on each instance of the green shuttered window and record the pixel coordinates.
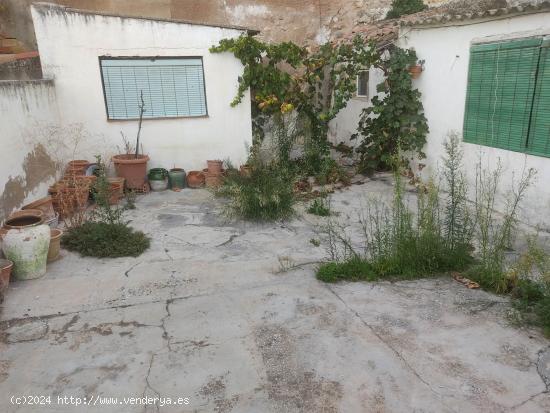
(507, 104)
(172, 87)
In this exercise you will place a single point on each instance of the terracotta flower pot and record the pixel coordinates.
(245, 170)
(215, 167)
(116, 190)
(55, 244)
(77, 167)
(132, 169)
(5, 272)
(43, 204)
(415, 71)
(213, 181)
(195, 179)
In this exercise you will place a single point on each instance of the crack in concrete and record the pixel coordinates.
(540, 359)
(229, 241)
(392, 348)
(127, 272)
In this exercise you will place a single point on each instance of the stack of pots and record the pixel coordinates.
(26, 242)
(116, 189)
(214, 173)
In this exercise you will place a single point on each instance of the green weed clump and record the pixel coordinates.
(320, 207)
(103, 240)
(266, 194)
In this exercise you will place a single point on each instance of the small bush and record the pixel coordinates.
(98, 239)
(403, 7)
(319, 207)
(265, 195)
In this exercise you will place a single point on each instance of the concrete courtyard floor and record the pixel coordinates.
(230, 315)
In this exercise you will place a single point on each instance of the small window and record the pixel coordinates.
(172, 87)
(363, 84)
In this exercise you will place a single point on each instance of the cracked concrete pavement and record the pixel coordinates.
(207, 313)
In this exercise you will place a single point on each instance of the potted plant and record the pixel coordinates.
(133, 166)
(416, 70)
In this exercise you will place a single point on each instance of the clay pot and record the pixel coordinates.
(26, 243)
(25, 213)
(5, 271)
(213, 181)
(116, 189)
(55, 244)
(76, 167)
(195, 179)
(245, 170)
(132, 169)
(415, 71)
(43, 204)
(215, 167)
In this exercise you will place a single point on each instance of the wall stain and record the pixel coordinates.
(38, 167)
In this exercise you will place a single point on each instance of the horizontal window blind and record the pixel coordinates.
(539, 136)
(171, 87)
(501, 84)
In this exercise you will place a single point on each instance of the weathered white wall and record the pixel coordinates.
(24, 171)
(443, 86)
(70, 43)
(345, 123)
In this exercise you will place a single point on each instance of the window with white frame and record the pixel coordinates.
(172, 87)
(363, 84)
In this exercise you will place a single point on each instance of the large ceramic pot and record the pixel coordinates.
(133, 169)
(158, 179)
(55, 244)
(195, 179)
(26, 241)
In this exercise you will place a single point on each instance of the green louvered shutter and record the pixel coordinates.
(539, 136)
(172, 87)
(501, 84)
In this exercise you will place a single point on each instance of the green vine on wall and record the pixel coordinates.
(318, 84)
(394, 124)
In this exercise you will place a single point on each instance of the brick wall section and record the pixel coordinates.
(302, 21)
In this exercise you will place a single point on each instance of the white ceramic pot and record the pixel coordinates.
(27, 246)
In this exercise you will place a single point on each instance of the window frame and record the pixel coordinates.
(526, 147)
(357, 95)
(152, 58)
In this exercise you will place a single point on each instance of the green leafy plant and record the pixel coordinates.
(404, 7)
(320, 207)
(266, 194)
(395, 123)
(286, 78)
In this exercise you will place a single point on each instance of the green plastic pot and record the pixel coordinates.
(177, 178)
(157, 174)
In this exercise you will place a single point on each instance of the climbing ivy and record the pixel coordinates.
(394, 123)
(286, 77)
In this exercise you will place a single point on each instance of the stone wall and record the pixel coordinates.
(302, 21)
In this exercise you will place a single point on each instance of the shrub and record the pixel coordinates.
(319, 207)
(265, 195)
(99, 239)
(404, 7)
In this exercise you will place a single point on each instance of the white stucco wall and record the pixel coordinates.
(25, 106)
(443, 85)
(345, 123)
(70, 43)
